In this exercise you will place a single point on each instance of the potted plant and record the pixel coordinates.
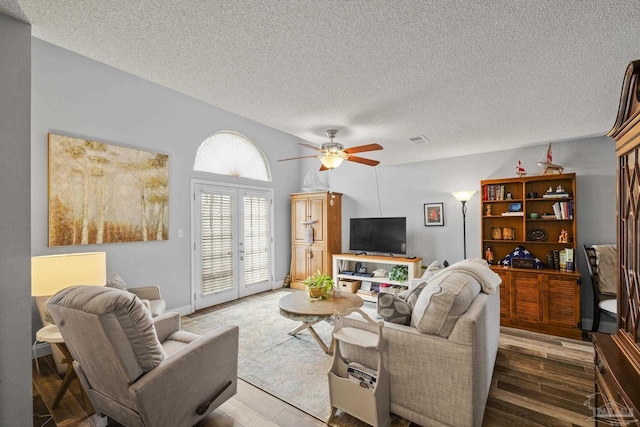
(399, 273)
(319, 285)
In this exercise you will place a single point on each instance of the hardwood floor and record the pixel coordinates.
(538, 380)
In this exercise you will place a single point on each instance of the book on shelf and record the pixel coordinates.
(570, 262)
(563, 210)
(493, 192)
(512, 213)
(555, 196)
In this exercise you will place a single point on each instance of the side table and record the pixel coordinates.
(50, 334)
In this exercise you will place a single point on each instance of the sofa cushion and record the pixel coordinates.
(443, 301)
(394, 309)
(115, 281)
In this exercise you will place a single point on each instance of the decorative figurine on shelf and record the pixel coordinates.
(487, 210)
(546, 161)
(550, 190)
(488, 255)
(564, 237)
(520, 170)
(559, 189)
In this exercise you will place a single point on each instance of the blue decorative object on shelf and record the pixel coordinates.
(520, 252)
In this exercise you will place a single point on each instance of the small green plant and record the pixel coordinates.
(319, 283)
(399, 273)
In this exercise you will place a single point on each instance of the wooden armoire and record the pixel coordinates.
(617, 360)
(316, 234)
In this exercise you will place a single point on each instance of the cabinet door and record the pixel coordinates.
(318, 260)
(505, 287)
(316, 209)
(300, 215)
(562, 305)
(299, 270)
(526, 296)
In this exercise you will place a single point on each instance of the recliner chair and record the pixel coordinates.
(139, 370)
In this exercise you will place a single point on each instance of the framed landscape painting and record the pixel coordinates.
(433, 214)
(102, 193)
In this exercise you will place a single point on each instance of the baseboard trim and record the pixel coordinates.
(184, 310)
(41, 349)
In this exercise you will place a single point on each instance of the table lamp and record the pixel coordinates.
(52, 273)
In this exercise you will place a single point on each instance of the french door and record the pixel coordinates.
(232, 242)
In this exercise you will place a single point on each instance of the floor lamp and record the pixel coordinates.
(463, 197)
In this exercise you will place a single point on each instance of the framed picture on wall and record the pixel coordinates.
(101, 193)
(433, 214)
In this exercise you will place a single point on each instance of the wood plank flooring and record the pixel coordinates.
(538, 380)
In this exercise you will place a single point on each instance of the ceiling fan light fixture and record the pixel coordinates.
(332, 160)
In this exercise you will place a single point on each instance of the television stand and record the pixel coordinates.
(343, 262)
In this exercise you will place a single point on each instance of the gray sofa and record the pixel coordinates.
(437, 380)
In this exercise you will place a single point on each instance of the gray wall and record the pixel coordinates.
(403, 190)
(73, 95)
(15, 282)
(76, 96)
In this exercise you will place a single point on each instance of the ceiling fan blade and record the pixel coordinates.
(362, 160)
(323, 168)
(363, 148)
(313, 147)
(296, 158)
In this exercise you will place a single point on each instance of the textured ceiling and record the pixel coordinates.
(471, 76)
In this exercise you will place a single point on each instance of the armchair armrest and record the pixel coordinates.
(146, 292)
(171, 393)
(166, 324)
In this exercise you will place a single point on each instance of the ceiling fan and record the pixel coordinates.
(333, 153)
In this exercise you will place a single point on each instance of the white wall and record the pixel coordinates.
(73, 95)
(403, 190)
(15, 265)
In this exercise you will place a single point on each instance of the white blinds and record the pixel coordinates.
(217, 243)
(257, 239)
(230, 153)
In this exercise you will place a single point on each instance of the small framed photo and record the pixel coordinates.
(433, 214)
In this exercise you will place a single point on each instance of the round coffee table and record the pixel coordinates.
(297, 306)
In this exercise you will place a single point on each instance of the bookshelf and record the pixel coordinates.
(523, 212)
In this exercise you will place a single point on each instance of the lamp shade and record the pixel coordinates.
(52, 273)
(463, 196)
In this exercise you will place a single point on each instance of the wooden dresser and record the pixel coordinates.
(317, 215)
(617, 360)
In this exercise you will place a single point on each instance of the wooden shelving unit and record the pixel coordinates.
(374, 262)
(543, 300)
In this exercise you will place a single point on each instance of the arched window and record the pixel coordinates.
(230, 153)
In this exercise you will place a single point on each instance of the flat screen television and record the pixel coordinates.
(381, 235)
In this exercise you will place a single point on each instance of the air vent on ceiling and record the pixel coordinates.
(419, 139)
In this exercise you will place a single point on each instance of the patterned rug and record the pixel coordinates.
(293, 369)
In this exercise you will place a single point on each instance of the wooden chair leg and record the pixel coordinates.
(596, 320)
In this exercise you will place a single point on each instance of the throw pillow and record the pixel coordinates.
(442, 302)
(432, 269)
(413, 295)
(394, 309)
(115, 281)
(46, 314)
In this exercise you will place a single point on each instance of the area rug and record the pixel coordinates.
(293, 369)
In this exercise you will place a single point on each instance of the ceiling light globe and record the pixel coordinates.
(331, 162)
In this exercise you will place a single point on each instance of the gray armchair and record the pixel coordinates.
(150, 296)
(139, 370)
